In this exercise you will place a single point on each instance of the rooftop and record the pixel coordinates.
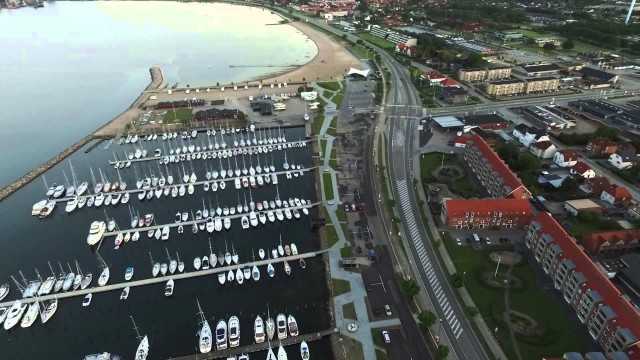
(582, 204)
(541, 68)
(460, 207)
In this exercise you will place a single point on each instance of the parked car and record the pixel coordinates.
(387, 310)
(458, 241)
(346, 207)
(385, 336)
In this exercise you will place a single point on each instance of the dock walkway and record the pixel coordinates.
(188, 223)
(164, 279)
(223, 354)
(200, 182)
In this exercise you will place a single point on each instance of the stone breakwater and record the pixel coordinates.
(156, 80)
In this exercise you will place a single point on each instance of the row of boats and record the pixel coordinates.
(26, 314)
(185, 135)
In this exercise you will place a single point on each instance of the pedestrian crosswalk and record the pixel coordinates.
(415, 236)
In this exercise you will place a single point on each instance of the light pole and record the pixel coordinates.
(497, 266)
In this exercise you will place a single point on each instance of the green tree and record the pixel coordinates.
(442, 352)
(569, 185)
(427, 318)
(549, 47)
(568, 45)
(608, 132)
(474, 60)
(472, 311)
(457, 280)
(410, 288)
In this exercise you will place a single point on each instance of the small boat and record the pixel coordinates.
(204, 334)
(86, 281)
(155, 270)
(239, 277)
(4, 291)
(287, 250)
(271, 328)
(230, 276)
(280, 250)
(270, 270)
(168, 289)
(222, 278)
(271, 355)
(258, 330)
(261, 253)
(303, 264)
(163, 269)
(49, 308)
(255, 273)
(104, 277)
(96, 231)
(87, 300)
(282, 355)
(234, 331)
(125, 294)
(287, 268)
(221, 335)
(281, 326)
(197, 263)
(143, 349)
(205, 262)
(14, 314)
(128, 273)
(293, 326)
(31, 315)
(294, 249)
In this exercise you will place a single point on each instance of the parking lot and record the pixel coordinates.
(464, 237)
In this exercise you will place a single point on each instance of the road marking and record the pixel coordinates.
(457, 335)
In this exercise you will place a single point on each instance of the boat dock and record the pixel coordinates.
(164, 279)
(188, 223)
(201, 182)
(207, 151)
(223, 354)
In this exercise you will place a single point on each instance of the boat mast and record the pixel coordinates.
(135, 328)
(78, 269)
(51, 268)
(18, 285)
(151, 257)
(38, 275)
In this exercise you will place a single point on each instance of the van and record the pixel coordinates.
(385, 336)
(476, 238)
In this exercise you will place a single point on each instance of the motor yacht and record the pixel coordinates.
(14, 314)
(87, 300)
(221, 335)
(292, 324)
(281, 326)
(124, 294)
(168, 289)
(128, 273)
(234, 331)
(31, 315)
(258, 330)
(96, 231)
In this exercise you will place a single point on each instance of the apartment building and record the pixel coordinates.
(486, 213)
(612, 242)
(487, 74)
(492, 172)
(542, 84)
(507, 87)
(608, 315)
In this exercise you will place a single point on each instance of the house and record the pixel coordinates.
(543, 149)
(608, 316)
(486, 213)
(596, 185)
(616, 195)
(566, 158)
(634, 210)
(528, 135)
(601, 146)
(449, 82)
(472, 26)
(612, 243)
(624, 157)
(492, 172)
(452, 95)
(404, 49)
(582, 170)
(574, 206)
(433, 77)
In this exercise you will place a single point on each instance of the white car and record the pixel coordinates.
(458, 241)
(385, 336)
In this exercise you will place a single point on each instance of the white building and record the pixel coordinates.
(565, 158)
(583, 170)
(620, 161)
(528, 135)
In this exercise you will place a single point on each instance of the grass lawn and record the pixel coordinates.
(345, 251)
(535, 35)
(383, 43)
(352, 349)
(381, 355)
(362, 51)
(340, 286)
(332, 235)
(317, 124)
(580, 228)
(349, 311)
(376, 335)
(331, 130)
(432, 161)
(177, 116)
(330, 85)
(333, 158)
(528, 299)
(328, 185)
(337, 99)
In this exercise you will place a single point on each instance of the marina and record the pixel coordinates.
(60, 237)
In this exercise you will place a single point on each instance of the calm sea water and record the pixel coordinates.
(70, 67)
(74, 331)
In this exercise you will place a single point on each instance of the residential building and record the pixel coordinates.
(542, 84)
(472, 26)
(492, 172)
(570, 66)
(609, 317)
(448, 82)
(538, 69)
(543, 149)
(582, 170)
(612, 243)
(618, 355)
(528, 135)
(622, 160)
(405, 49)
(506, 87)
(486, 213)
(544, 41)
(629, 275)
(433, 77)
(634, 209)
(616, 195)
(452, 95)
(487, 74)
(573, 207)
(601, 146)
(596, 185)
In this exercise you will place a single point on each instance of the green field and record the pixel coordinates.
(362, 51)
(528, 299)
(177, 116)
(349, 311)
(340, 286)
(328, 185)
(329, 85)
(383, 43)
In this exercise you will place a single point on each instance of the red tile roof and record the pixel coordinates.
(459, 207)
(618, 192)
(448, 82)
(434, 75)
(569, 154)
(542, 145)
(580, 167)
(510, 179)
(601, 141)
(628, 317)
(593, 241)
(461, 139)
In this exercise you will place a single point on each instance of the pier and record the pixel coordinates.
(175, 277)
(188, 223)
(223, 354)
(232, 179)
(205, 152)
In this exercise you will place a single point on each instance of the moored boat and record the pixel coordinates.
(281, 326)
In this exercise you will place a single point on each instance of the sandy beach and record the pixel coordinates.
(330, 63)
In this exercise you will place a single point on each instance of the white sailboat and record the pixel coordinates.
(205, 340)
(49, 308)
(282, 355)
(104, 276)
(143, 347)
